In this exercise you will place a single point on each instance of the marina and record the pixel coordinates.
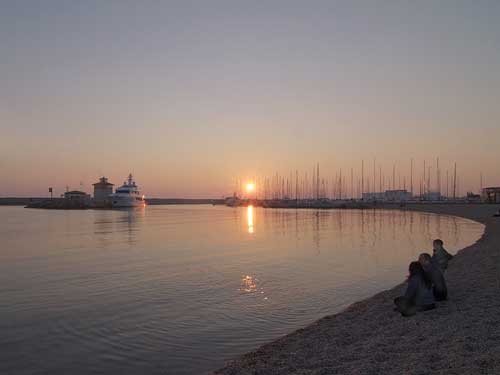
(296, 190)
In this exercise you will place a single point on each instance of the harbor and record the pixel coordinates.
(297, 190)
(125, 196)
(322, 191)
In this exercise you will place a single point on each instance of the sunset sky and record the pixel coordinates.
(189, 95)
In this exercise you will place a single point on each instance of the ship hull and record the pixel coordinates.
(121, 202)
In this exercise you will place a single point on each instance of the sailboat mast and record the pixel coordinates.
(455, 182)
(424, 190)
(447, 185)
(340, 183)
(352, 183)
(374, 188)
(438, 179)
(296, 184)
(317, 182)
(362, 177)
(380, 178)
(394, 177)
(411, 176)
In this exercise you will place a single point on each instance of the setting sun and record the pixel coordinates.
(250, 187)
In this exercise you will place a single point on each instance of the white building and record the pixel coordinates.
(397, 195)
(75, 195)
(388, 196)
(102, 191)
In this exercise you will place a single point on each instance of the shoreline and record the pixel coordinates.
(25, 201)
(461, 336)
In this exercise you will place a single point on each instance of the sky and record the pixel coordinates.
(191, 95)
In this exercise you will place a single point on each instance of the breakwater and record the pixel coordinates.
(67, 204)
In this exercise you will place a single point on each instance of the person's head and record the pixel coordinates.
(437, 244)
(417, 270)
(424, 259)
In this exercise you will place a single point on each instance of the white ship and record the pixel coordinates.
(128, 195)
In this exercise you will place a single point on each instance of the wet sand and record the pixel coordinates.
(461, 336)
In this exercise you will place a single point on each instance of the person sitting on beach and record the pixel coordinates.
(440, 256)
(435, 275)
(418, 295)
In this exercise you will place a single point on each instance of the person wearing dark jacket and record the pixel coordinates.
(440, 256)
(435, 275)
(418, 295)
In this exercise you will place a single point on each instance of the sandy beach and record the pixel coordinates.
(461, 336)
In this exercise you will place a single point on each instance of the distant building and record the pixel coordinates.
(433, 196)
(471, 197)
(490, 195)
(374, 196)
(102, 191)
(388, 196)
(76, 195)
(397, 195)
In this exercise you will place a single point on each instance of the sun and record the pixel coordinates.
(250, 187)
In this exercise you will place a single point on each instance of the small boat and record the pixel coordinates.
(128, 195)
(233, 201)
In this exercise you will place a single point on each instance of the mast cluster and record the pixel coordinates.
(317, 184)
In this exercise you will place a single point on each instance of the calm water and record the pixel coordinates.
(179, 289)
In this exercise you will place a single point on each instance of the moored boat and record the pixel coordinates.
(128, 195)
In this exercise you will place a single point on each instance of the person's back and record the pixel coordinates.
(440, 256)
(435, 275)
(418, 295)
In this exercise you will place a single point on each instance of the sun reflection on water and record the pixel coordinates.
(250, 219)
(248, 284)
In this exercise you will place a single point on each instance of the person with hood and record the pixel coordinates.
(418, 295)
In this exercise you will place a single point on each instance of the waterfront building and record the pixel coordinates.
(388, 196)
(378, 196)
(433, 196)
(490, 194)
(76, 195)
(397, 195)
(102, 191)
(473, 198)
